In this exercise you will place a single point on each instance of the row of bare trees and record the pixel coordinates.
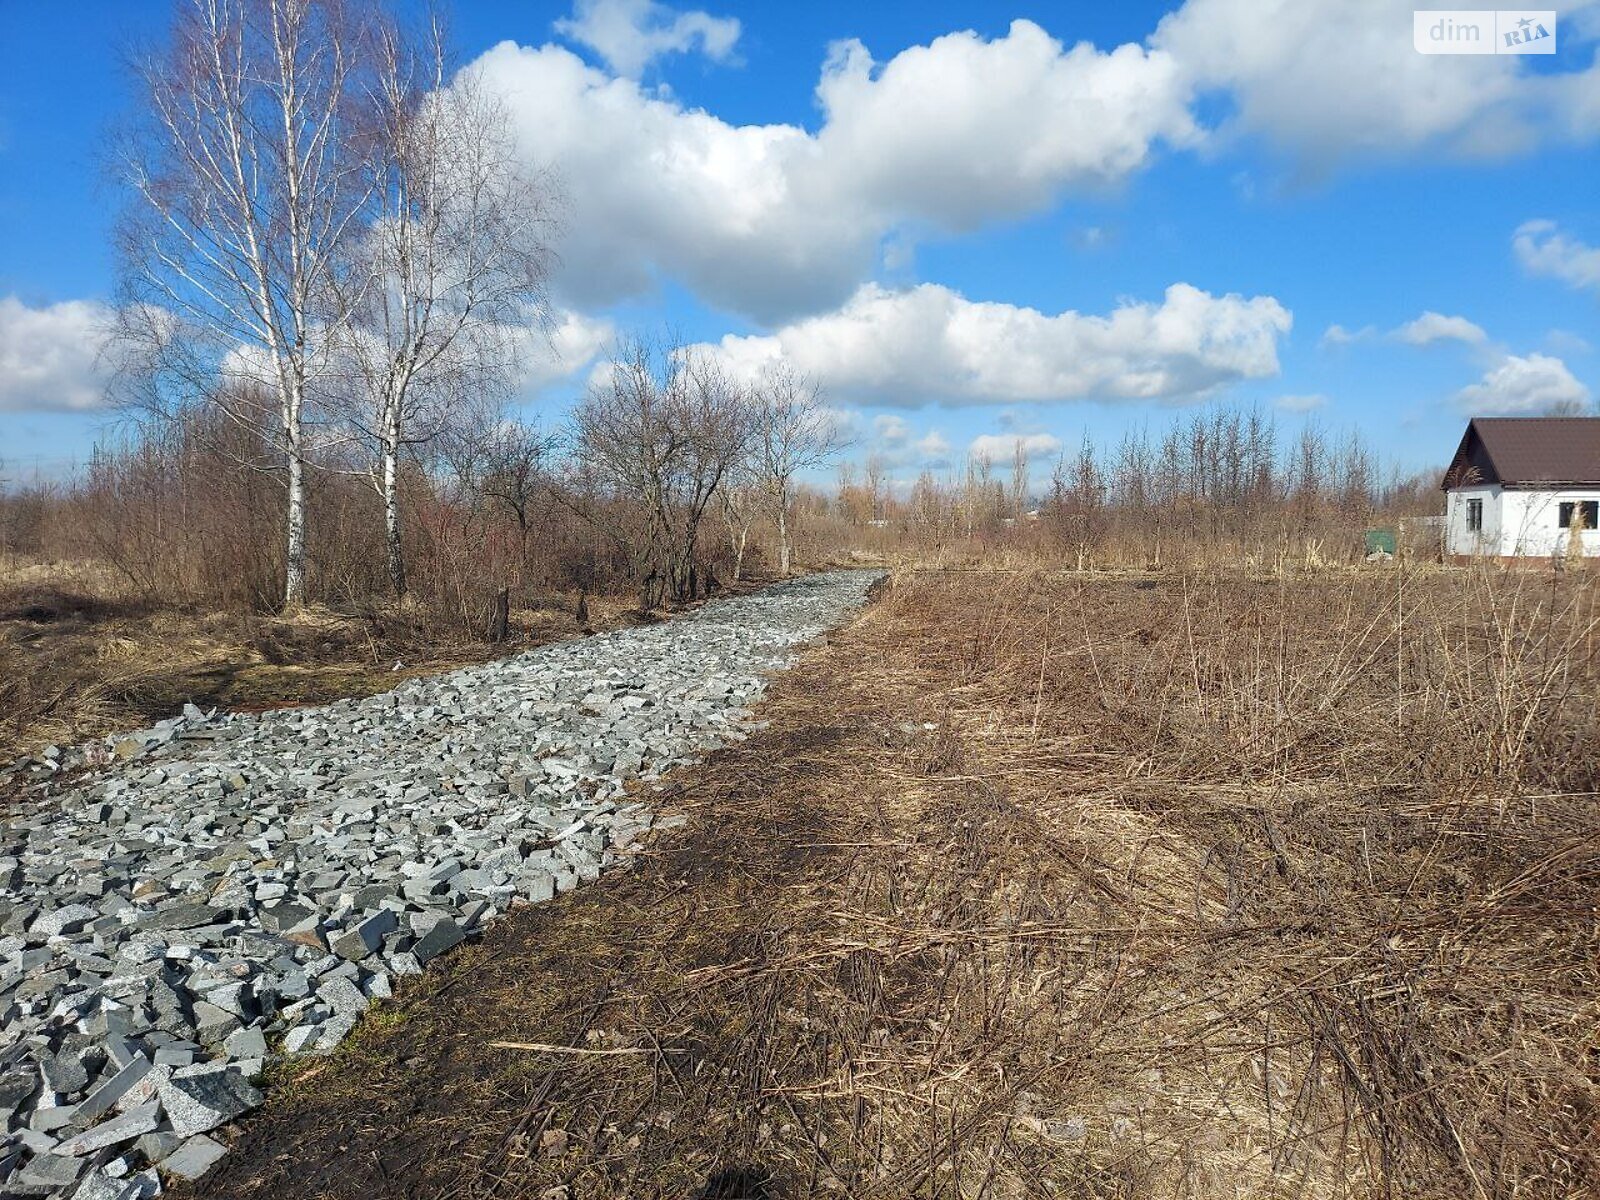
(666, 437)
(669, 473)
(1222, 481)
(626, 497)
(331, 245)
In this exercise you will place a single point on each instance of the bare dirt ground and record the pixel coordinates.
(1042, 888)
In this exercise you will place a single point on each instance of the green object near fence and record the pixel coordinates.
(1380, 540)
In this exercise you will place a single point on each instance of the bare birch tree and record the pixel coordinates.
(794, 432)
(877, 486)
(246, 194)
(1019, 480)
(740, 498)
(976, 491)
(451, 272)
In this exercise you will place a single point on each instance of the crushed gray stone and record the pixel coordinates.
(194, 1158)
(181, 904)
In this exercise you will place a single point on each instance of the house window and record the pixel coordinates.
(1474, 516)
(1588, 510)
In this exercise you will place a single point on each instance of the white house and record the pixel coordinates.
(1518, 485)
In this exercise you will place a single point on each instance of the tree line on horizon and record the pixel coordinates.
(1215, 485)
(709, 495)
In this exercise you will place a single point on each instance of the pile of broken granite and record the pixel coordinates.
(182, 905)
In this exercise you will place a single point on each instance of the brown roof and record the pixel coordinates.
(1526, 451)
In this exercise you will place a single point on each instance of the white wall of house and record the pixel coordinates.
(1530, 523)
(1517, 523)
(1459, 539)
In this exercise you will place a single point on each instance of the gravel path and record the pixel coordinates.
(224, 887)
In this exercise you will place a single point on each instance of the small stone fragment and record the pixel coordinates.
(197, 1103)
(45, 1173)
(153, 1147)
(246, 1043)
(364, 938)
(445, 934)
(131, 1124)
(194, 1158)
(102, 1099)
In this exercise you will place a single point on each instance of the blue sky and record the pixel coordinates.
(970, 223)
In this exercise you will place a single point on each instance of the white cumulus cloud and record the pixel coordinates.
(1543, 249)
(50, 357)
(1522, 385)
(894, 442)
(1341, 79)
(775, 220)
(964, 129)
(1338, 335)
(891, 430)
(573, 343)
(631, 34)
(1436, 327)
(1001, 448)
(933, 448)
(929, 343)
(1301, 403)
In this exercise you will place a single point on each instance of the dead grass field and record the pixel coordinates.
(1037, 886)
(81, 655)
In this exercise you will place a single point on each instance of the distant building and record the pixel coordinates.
(1519, 486)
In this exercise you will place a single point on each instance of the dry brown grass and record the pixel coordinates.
(1323, 914)
(83, 654)
(1044, 887)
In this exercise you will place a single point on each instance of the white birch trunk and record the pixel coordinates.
(391, 515)
(294, 587)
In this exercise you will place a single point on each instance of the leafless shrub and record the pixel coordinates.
(792, 432)
(653, 443)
